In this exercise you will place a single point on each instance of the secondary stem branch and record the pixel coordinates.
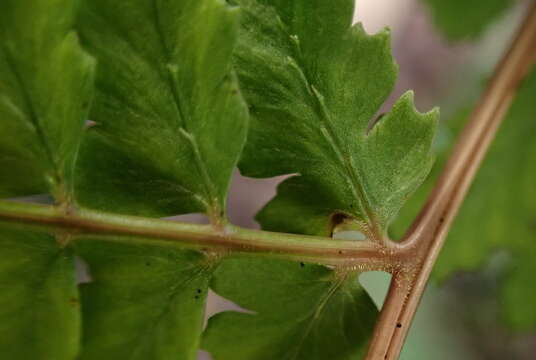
(427, 234)
(364, 255)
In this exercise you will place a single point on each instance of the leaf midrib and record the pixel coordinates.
(212, 201)
(346, 162)
(174, 293)
(32, 116)
(315, 315)
(334, 141)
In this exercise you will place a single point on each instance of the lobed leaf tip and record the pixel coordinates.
(408, 98)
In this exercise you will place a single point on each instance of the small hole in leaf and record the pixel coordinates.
(302, 264)
(199, 291)
(196, 297)
(398, 325)
(337, 219)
